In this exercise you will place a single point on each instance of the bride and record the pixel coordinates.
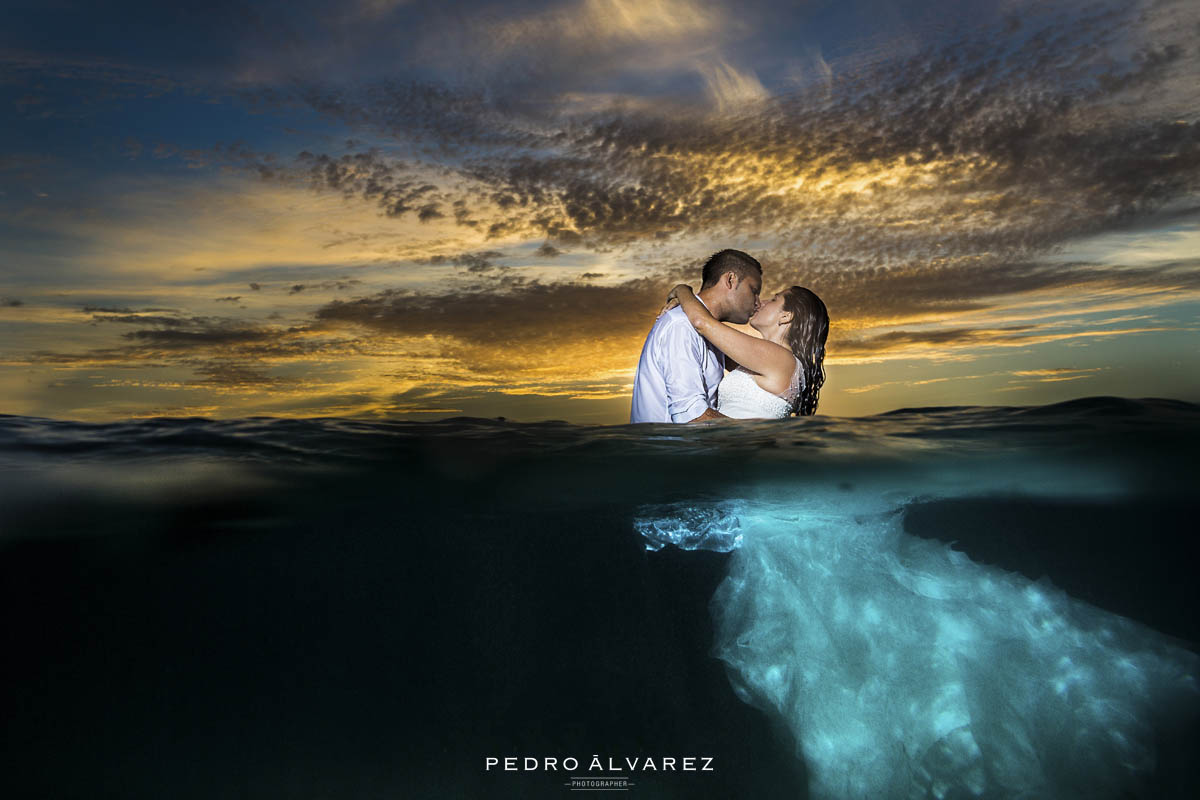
(778, 375)
(902, 668)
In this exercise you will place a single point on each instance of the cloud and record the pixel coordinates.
(126, 316)
(367, 175)
(529, 312)
(160, 335)
(600, 39)
(511, 325)
(234, 374)
(941, 336)
(1055, 371)
(731, 89)
(173, 338)
(473, 262)
(1059, 374)
(226, 230)
(966, 344)
(105, 78)
(488, 323)
(945, 287)
(1010, 144)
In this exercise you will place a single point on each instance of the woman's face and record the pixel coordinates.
(768, 313)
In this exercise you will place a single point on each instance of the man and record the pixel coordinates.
(678, 372)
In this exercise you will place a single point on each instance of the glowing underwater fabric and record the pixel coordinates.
(904, 669)
(691, 527)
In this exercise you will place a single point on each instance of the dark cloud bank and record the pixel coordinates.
(1012, 141)
(930, 182)
(935, 181)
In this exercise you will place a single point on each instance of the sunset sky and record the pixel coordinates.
(426, 210)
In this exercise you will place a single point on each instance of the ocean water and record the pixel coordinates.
(939, 602)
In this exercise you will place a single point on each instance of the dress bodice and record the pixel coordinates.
(741, 397)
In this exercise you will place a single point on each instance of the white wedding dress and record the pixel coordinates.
(740, 397)
(906, 670)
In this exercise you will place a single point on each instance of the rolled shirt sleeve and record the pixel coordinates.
(683, 360)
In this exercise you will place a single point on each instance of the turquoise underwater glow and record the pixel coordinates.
(953, 602)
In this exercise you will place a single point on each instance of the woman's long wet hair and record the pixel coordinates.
(806, 338)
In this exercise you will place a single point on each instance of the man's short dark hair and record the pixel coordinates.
(735, 261)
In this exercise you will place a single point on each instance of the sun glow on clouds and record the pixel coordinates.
(185, 350)
(592, 23)
(636, 38)
(499, 230)
(165, 231)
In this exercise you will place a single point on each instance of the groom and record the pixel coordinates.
(678, 373)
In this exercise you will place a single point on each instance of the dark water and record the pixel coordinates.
(338, 608)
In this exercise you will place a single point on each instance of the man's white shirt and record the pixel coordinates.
(678, 373)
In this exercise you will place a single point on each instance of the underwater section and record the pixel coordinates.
(993, 602)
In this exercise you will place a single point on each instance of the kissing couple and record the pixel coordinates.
(681, 376)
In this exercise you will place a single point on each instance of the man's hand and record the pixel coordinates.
(709, 415)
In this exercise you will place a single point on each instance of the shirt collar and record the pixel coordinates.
(709, 345)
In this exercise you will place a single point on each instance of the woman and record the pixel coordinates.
(778, 375)
(902, 667)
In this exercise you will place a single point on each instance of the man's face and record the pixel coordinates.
(743, 300)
